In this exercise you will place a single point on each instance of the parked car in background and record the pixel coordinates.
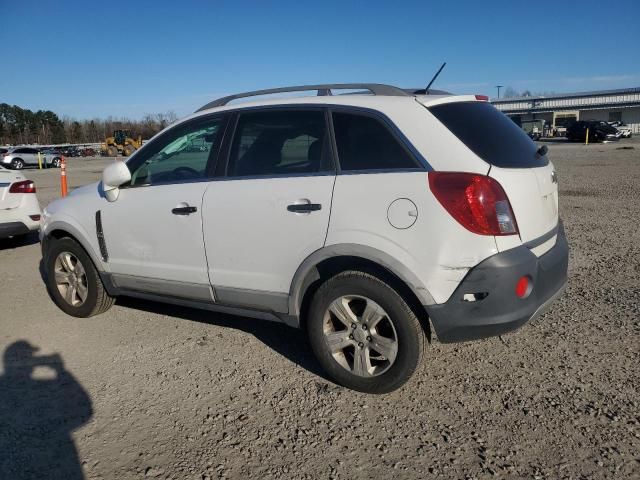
(362, 219)
(52, 158)
(72, 152)
(19, 208)
(598, 132)
(624, 129)
(19, 157)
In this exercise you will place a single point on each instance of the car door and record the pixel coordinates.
(153, 231)
(22, 154)
(270, 210)
(30, 156)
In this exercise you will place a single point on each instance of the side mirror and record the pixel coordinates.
(542, 151)
(113, 176)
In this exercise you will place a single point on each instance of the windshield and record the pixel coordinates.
(490, 134)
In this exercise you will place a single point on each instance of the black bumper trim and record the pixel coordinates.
(12, 229)
(501, 311)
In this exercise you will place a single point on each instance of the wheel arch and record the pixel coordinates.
(331, 260)
(59, 230)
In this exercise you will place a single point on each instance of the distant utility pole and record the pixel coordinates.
(499, 87)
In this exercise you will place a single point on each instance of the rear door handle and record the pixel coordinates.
(304, 207)
(188, 210)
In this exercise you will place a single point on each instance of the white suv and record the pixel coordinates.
(370, 219)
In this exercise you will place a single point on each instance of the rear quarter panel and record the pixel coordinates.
(435, 248)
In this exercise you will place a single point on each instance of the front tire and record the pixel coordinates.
(364, 334)
(17, 164)
(56, 162)
(73, 281)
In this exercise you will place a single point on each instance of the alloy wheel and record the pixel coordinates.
(71, 279)
(360, 335)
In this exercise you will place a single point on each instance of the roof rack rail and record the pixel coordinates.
(323, 90)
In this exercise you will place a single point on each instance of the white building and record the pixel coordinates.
(560, 110)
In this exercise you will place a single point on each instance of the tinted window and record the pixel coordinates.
(280, 143)
(180, 155)
(365, 143)
(19, 150)
(490, 134)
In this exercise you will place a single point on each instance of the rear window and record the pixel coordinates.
(490, 134)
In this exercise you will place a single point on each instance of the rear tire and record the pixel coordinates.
(56, 162)
(376, 317)
(17, 164)
(73, 281)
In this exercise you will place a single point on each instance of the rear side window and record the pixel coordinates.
(280, 143)
(365, 143)
(490, 134)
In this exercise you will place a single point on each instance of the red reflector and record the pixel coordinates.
(26, 186)
(477, 202)
(482, 98)
(522, 287)
(35, 218)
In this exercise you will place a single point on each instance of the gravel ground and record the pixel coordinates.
(150, 390)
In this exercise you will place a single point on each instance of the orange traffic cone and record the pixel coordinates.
(63, 176)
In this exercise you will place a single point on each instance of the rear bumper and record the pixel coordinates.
(12, 229)
(501, 311)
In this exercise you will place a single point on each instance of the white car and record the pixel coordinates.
(19, 208)
(625, 130)
(372, 221)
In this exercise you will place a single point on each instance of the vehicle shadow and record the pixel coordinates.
(289, 342)
(19, 241)
(41, 403)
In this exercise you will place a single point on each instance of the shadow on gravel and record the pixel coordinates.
(41, 403)
(289, 342)
(20, 241)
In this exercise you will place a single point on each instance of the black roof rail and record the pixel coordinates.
(323, 89)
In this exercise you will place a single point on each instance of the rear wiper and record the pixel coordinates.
(542, 151)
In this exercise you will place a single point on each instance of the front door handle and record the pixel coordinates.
(186, 210)
(304, 207)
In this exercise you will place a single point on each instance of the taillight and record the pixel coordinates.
(27, 186)
(477, 202)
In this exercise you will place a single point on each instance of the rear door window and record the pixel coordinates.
(490, 134)
(280, 143)
(365, 143)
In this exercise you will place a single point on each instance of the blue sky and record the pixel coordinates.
(131, 58)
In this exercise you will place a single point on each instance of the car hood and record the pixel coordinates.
(85, 195)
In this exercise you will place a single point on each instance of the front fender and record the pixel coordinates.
(88, 239)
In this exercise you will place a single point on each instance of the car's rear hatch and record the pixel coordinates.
(8, 200)
(527, 177)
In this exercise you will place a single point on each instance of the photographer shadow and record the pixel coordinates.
(41, 403)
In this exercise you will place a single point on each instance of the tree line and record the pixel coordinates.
(20, 126)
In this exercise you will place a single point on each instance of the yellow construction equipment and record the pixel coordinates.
(121, 144)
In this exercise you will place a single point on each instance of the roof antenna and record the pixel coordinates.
(426, 90)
